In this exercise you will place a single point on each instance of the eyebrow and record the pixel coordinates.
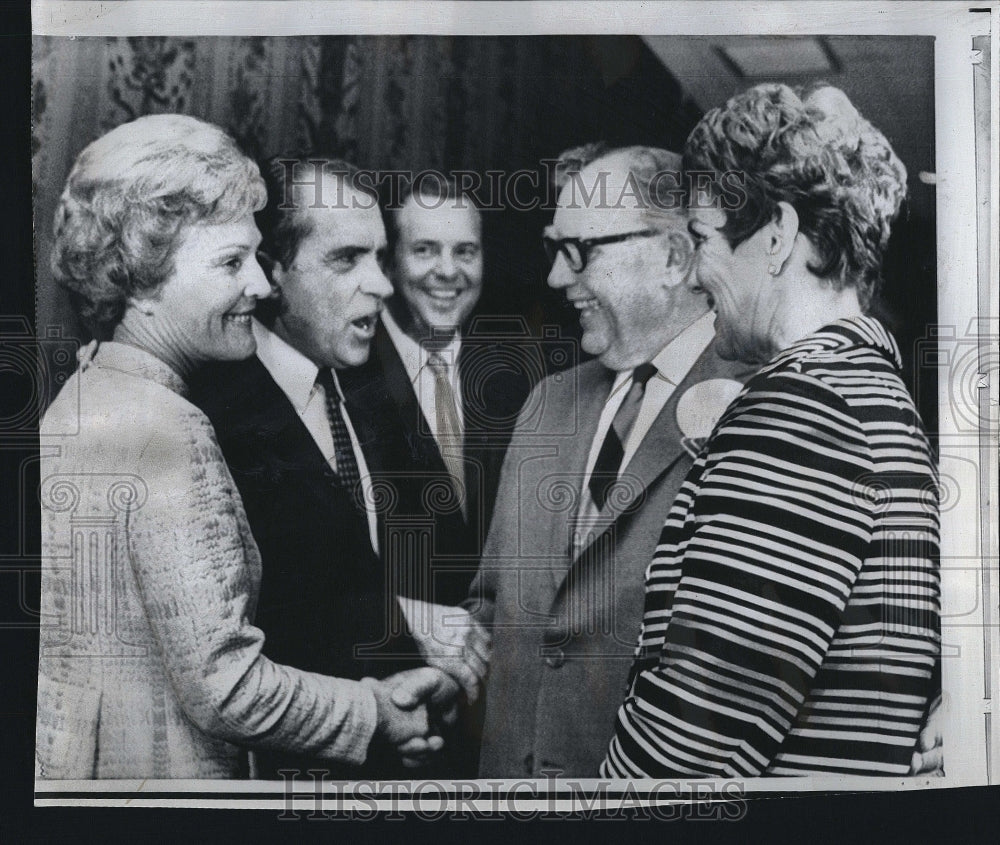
(347, 251)
(242, 245)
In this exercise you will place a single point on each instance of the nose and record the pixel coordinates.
(375, 283)
(446, 264)
(257, 284)
(560, 276)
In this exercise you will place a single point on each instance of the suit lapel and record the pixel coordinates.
(585, 399)
(661, 448)
(397, 380)
(284, 445)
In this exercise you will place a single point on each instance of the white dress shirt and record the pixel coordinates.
(414, 357)
(672, 363)
(296, 375)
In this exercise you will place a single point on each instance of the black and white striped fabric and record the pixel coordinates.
(792, 605)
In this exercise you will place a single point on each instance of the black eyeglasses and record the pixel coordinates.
(576, 250)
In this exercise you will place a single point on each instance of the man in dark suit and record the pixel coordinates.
(295, 454)
(592, 470)
(455, 387)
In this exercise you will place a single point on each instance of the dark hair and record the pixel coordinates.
(128, 197)
(440, 189)
(812, 149)
(282, 228)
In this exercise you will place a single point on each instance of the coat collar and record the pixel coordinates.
(839, 336)
(663, 445)
(134, 361)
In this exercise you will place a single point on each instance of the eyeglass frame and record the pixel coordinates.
(556, 246)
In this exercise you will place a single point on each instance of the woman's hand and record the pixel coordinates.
(928, 757)
(413, 706)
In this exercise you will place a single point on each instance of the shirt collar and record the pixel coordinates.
(676, 359)
(293, 372)
(414, 354)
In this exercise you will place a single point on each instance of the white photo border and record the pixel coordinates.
(969, 537)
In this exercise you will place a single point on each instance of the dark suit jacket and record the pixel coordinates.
(418, 514)
(324, 602)
(565, 628)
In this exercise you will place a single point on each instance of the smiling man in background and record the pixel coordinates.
(451, 389)
(456, 425)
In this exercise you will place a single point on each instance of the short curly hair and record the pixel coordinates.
(128, 197)
(812, 149)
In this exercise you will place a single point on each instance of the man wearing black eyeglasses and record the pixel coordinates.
(594, 465)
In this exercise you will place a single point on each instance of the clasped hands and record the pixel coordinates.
(415, 705)
(451, 640)
(413, 708)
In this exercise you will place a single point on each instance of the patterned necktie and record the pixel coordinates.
(609, 459)
(449, 424)
(343, 450)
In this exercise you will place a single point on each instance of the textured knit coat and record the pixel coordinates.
(150, 665)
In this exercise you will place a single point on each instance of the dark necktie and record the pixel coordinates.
(343, 450)
(609, 459)
(449, 425)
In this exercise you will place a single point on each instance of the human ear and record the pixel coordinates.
(144, 304)
(781, 234)
(680, 251)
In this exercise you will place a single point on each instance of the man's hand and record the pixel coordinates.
(451, 640)
(396, 725)
(435, 689)
(428, 696)
(928, 758)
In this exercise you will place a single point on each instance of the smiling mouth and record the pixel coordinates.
(240, 319)
(586, 304)
(443, 294)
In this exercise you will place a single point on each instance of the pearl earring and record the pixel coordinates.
(772, 270)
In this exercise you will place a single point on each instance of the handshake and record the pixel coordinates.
(415, 706)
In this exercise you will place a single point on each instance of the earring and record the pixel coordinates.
(772, 270)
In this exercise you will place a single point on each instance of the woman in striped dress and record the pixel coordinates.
(792, 605)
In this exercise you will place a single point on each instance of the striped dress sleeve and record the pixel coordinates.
(748, 585)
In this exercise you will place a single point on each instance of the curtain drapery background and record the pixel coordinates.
(392, 102)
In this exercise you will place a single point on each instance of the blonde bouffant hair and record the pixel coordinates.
(128, 197)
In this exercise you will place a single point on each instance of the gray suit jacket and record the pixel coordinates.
(565, 626)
